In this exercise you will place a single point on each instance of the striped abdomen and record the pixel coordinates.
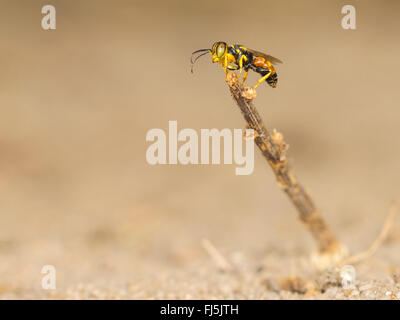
(263, 67)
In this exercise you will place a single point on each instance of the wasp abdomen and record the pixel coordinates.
(263, 68)
(272, 80)
(260, 63)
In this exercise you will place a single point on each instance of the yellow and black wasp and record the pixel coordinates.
(238, 57)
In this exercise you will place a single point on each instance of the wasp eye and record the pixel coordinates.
(221, 50)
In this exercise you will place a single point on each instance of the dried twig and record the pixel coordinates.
(274, 148)
(378, 241)
(218, 258)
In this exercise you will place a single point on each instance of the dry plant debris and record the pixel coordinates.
(274, 148)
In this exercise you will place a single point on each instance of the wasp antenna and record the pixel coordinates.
(203, 52)
(197, 51)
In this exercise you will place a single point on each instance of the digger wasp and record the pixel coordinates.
(238, 57)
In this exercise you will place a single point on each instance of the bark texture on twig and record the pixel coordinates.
(274, 148)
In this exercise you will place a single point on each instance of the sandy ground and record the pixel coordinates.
(77, 193)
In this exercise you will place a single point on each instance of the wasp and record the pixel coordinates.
(238, 57)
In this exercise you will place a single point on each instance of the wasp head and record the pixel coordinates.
(217, 51)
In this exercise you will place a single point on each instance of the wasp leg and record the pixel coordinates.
(241, 59)
(244, 77)
(226, 64)
(261, 80)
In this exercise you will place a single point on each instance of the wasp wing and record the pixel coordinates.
(265, 56)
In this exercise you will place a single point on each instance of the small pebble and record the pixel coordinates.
(355, 293)
(331, 292)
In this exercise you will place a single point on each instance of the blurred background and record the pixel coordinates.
(76, 104)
